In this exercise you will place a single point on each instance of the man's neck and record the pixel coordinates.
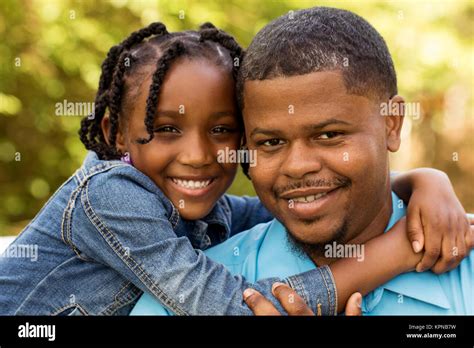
(375, 228)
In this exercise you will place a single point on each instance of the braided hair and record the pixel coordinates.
(127, 61)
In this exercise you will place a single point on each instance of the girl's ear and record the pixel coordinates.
(119, 140)
(105, 125)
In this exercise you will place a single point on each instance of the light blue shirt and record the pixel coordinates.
(264, 251)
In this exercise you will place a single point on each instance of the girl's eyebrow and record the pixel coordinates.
(220, 114)
(169, 113)
(172, 113)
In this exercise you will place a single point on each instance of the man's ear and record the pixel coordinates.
(394, 122)
(119, 140)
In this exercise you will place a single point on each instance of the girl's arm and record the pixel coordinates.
(123, 221)
(436, 220)
(384, 257)
(433, 210)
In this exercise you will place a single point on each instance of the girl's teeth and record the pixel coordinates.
(308, 199)
(191, 184)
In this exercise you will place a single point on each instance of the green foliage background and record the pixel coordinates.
(52, 50)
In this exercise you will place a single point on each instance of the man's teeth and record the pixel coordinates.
(308, 199)
(191, 184)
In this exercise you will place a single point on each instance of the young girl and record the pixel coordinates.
(150, 193)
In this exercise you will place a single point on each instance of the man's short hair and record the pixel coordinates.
(322, 39)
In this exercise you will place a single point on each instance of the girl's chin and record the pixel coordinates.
(193, 213)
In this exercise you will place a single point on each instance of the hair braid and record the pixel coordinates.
(91, 125)
(115, 98)
(174, 51)
(209, 32)
(160, 51)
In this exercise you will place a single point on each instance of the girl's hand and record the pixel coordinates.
(437, 222)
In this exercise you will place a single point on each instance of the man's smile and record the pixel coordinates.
(309, 203)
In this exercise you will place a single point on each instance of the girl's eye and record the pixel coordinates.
(166, 129)
(271, 142)
(221, 130)
(329, 135)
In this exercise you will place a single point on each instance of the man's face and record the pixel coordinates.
(322, 160)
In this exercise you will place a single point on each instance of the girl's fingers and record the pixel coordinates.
(432, 250)
(471, 220)
(448, 257)
(470, 238)
(415, 231)
(258, 303)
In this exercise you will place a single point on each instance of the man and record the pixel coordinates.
(312, 88)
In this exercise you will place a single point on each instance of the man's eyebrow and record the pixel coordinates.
(316, 126)
(329, 122)
(269, 132)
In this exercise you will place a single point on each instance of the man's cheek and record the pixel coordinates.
(354, 160)
(262, 181)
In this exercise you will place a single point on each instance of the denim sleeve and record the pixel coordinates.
(246, 212)
(119, 221)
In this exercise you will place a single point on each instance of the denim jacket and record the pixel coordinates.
(108, 234)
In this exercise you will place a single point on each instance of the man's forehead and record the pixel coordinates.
(317, 90)
(297, 85)
(320, 95)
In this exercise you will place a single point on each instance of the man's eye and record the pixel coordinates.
(166, 129)
(271, 142)
(329, 135)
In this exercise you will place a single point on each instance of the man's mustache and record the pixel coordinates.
(333, 183)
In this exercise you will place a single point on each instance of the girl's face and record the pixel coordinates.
(196, 117)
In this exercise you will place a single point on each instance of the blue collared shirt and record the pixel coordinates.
(263, 251)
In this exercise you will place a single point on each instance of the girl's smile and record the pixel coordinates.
(194, 187)
(196, 117)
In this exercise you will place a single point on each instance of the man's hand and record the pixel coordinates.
(291, 302)
(354, 303)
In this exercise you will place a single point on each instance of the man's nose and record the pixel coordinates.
(301, 160)
(196, 151)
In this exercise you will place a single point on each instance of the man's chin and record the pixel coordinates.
(313, 238)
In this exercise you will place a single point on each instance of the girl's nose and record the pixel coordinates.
(196, 151)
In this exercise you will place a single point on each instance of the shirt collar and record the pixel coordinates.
(214, 226)
(423, 286)
(220, 214)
